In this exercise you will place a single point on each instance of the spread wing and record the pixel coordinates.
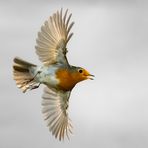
(53, 38)
(55, 104)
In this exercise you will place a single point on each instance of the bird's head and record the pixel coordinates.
(81, 74)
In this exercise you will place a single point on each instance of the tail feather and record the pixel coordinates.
(24, 80)
(20, 68)
(20, 62)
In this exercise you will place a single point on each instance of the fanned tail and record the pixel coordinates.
(24, 80)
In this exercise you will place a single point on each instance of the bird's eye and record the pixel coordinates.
(80, 70)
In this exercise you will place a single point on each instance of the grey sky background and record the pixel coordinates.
(111, 41)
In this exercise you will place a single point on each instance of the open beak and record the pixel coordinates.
(90, 77)
(87, 75)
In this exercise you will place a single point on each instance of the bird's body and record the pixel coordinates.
(45, 74)
(57, 76)
(56, 73)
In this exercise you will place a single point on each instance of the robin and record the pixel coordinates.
(56, 73)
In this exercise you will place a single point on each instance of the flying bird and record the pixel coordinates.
(58, 76)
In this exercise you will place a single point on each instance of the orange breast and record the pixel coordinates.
(67, 79)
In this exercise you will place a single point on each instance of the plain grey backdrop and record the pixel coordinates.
(111, 41)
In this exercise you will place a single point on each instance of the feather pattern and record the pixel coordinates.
(24, 80)
(53, 38)
(55, 105)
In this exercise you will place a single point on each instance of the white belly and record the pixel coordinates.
(46, 75)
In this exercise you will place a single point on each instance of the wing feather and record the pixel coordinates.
(53, 38)
(55, 105)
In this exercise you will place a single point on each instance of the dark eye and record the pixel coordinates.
(80, 70)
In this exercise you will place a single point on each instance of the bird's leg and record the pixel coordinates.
(34, 86)
(27, 82)
(31, 83)
(35, 76)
